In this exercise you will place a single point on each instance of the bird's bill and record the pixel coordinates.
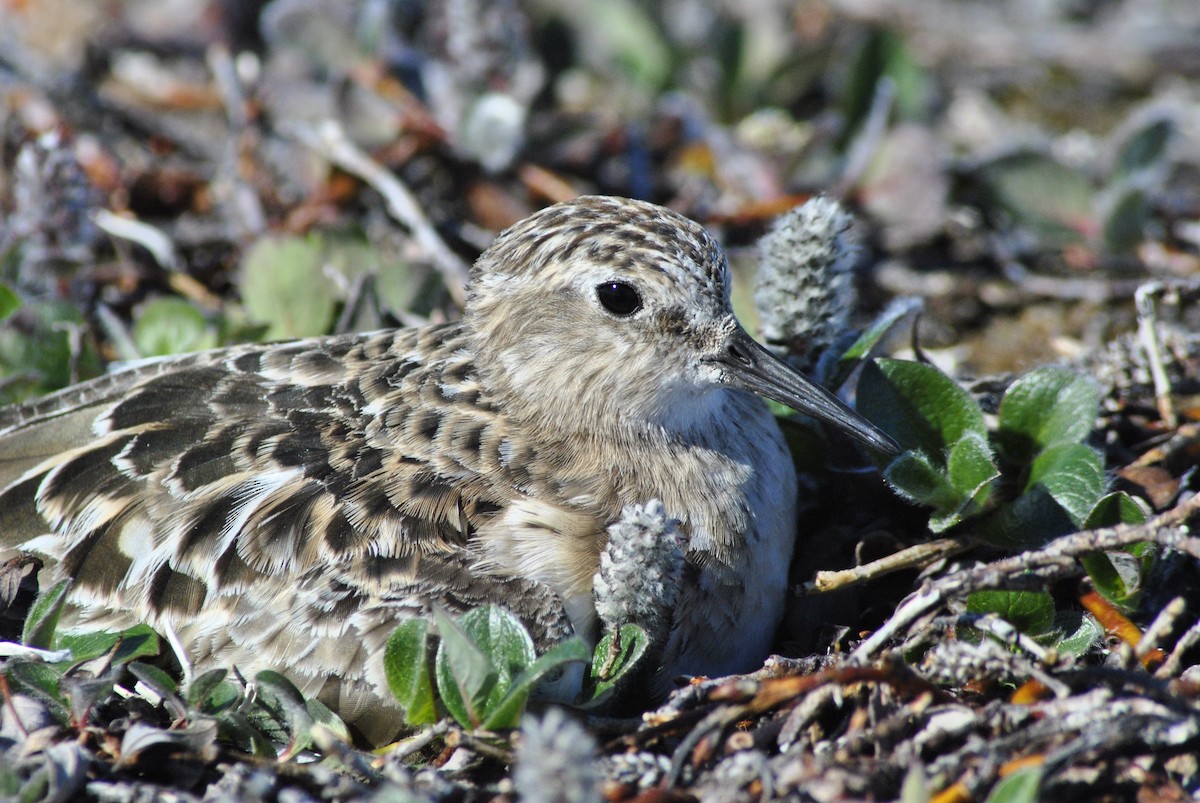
(752, 367)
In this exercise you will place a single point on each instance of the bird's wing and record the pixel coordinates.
(165, 488)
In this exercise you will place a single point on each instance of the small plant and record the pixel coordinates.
(1107, 206)
(1029, 480)
(482, 667)
(41, 347)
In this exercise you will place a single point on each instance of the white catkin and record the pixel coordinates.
(556, 761)
(805, 290)
(640, 568)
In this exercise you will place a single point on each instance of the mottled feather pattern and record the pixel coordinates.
(270, 460)
(270, 503)
(284, 506)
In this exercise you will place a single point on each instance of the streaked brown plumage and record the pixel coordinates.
(284, 506)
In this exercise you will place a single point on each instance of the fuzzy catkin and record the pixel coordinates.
(556, 761)
(639, 575)
(805, 291)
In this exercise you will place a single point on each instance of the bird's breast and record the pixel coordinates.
(732, 485)
(549, 542)
(743, 509)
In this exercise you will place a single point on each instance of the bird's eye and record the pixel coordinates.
(619, 298)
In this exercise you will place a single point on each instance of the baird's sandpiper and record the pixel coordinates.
(285, 506)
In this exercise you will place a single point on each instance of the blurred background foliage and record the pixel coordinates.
(1022, 165)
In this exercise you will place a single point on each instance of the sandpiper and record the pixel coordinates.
(284, 506)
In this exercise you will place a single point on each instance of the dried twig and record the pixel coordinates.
(1174, 663)
(1163, 624)
(162, 248)
(1058, 558)
(399, 751)
(331, 142)
(1147, 332)
(913, 557)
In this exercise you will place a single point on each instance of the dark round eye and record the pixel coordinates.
(619, 298)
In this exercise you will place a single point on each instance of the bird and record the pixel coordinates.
(287, 505)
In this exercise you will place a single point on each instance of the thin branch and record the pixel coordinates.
(1147, 334)
(330, 140)
(913, 557)
(1058, 558)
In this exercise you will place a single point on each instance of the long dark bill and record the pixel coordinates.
(752, 367)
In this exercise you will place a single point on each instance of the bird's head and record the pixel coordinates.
(607, 312)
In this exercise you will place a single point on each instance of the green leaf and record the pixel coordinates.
(501, 636)
(10, 302)
(1118, 574)
(401, 286)
(918, 405)
(507, 644)
(282, 695)
(200, 691)
(464, 672)
(10, 786)
(507, 712)
(607, 672)
(1065, 482)
(37, 676)
(222, 698)
(286, 704)
(633, 645)
(381, 284)
(1077, 633)
(1031, 520)
(36, 788)
(969, 465)
(940, 522)
(42, 681)
(43, 616)
(284, 286)
(914, 476)
(139, 641)
(1126, 220)
(472, 668)
(237, 728)
(1021, 787)
(1146, 148)
(322, 715)
(406, 664)
(1053, 201)
(1073, 474)
(87, 646)
(1116, 508)
(37, 357)
(1031, 612)
(171, 325)
(861, 348)
(728, 45)
(623, 32)
(1105, 577)
(884, 54)
(955, 492)
(971, 473)
(486, 638)
(159, 681)
(1046, 407)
